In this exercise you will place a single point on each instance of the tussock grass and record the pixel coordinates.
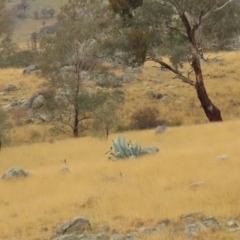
(123, 194)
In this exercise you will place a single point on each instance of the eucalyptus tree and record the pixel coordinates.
(183, 30)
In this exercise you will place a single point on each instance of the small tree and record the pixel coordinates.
(105, 117)
(70, 55)
(4, 126)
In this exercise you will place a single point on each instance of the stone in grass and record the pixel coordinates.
(76, 225)
(15, 173)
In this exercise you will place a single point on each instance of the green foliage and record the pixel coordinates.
(105, 117)
(89, 102)
(5, 125)
(145, 118)
(17, 58)
(124, 7)
(125, 150)
(138, 41)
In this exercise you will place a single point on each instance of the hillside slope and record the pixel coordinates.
(124, 193)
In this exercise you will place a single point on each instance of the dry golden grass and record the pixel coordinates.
(24, 27)
(123, 194)
(180, 107)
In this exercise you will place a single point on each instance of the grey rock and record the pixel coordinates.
(14, 173)
(131, 236)
(37, 72)
(161, 226)
(171, 86)
(44, 117)
(30, 69)
(70, 68)
(222, 157)
(211, 222)
(10, 88)
(160, 130)
(38, 102)
(233, 224)
(86, 236)
(116, 236)
(197, 184)
(150, 94)
(193, 228)
(2, 93)
(101, 236)
(162, 99)
(76, 225)
(68, 237)
(18, 102)
(147, 231)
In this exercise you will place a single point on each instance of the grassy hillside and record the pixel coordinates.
(122, 194)
(181, 106)
(24, 26)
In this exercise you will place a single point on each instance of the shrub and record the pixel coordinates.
(18, 59)
(144, 118)
(123, 149)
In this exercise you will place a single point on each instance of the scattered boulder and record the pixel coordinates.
(190, 225)
(160, 130)
(222, 157)
(192, 229)
(101, 236)
(130, 73)
(30, 69)
(14, 173)
(76, 225)
(153, 95)
(68, 237)
(116, 236)
(233, 224)
(211, 222)
(197, 184)
(36, 72)
(38, 102)
(150, 94)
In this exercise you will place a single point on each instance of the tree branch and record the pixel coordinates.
(178, 74)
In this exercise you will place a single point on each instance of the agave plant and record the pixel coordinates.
(123, 149)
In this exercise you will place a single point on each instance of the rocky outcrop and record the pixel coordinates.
(15, 173)
(188, 226)
(30, 69)
(75, 226)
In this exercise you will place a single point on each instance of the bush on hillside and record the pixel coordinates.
(18, 59)
(145, 118)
